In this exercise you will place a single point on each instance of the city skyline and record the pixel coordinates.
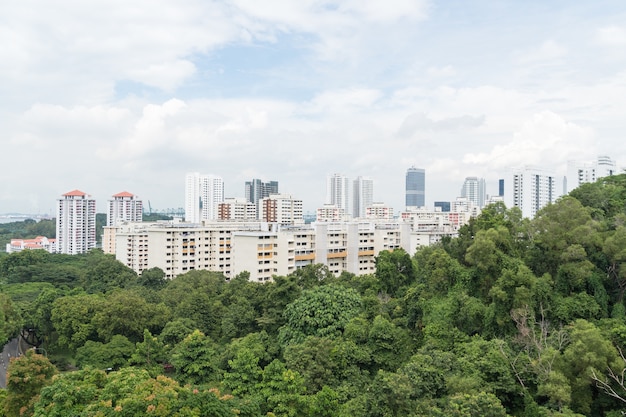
(106, 98)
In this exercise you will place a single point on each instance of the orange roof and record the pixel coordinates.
(75, 193)
(123, 194)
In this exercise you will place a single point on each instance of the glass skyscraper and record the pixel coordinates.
(415, 187)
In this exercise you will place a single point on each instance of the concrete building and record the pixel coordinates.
(256, 190)
(40, 242)
(474, 189)
(379, 211)
(75, 223)
(266, 249)
(124, 207)
(203, 193)
(330, 213)
(579, 172)
(531, 189)
(237, 209)
(338, 192)
(442, 205)
(362, 196)
(282, 209)
(415, 187)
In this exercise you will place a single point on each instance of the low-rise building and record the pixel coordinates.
(40, 242)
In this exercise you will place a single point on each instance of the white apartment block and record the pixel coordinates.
(379, 211)
(338, 192)
(531, 189)
(75, 223)
(282, 209)
(178, 247)
(330, 213)
(266, 249)
(362, 196)
(203, 194)
(579, 172)
(124, 207)
(237, 209)
(428, 227)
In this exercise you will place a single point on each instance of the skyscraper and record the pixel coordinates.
(203, 193)
(75, 223)
(474, 190)
(531, 189)
(124, 207)
(415, 187)
(338, 192)
(362, 196)
(257, 190)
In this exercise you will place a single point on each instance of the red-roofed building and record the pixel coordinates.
(40, 242)
(125, 207)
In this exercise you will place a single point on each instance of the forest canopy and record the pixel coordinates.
(519, 317)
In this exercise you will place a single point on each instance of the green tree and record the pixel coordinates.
(588, 352)
(153, 278)
(26, 376)
(114, 354)
(105, 273)
(150, 354)
(70, 393)
(394, 270)
(323, 311)
(72, 317)
(10, 320)
(196, 360)
(126, 313)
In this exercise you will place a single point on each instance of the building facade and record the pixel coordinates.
(75, 223)
(203, 194)
(415, 187)
(267, 249)
(124, 207)
(531, 189)
(237, 209)
(256, 190)
(362, 196)
(282, 209)
(338, 192)
(474, 189)
(579, 173)
(40, 242)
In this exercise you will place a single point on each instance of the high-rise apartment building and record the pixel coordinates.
(256, 190)
(237, 209)
(75, 223)
(282, 209)
(415, 187)
(362, 196)
(531, 189)
(338, 192)
(125, 207)
(203, 194)
(579, 173)
(474, 190)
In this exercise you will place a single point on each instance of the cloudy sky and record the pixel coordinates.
(118, 95)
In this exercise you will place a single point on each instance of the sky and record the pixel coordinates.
(118, 95)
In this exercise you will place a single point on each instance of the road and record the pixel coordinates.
(11, 350)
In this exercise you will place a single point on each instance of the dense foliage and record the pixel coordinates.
(514, 317)
(26, 229)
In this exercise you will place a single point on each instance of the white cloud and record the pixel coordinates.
(612, 35)
(548, 51)
(546, 139)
